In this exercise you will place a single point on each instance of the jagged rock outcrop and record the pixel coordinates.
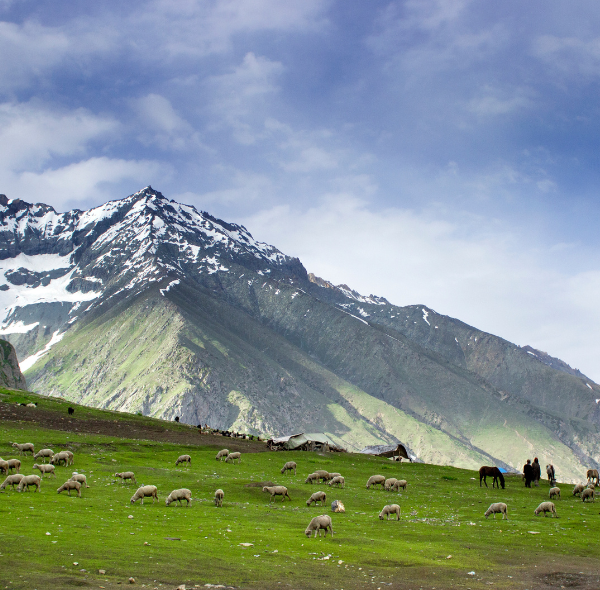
(10, 373)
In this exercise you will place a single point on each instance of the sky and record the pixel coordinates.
(436, 152)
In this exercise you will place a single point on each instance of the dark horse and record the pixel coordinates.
(492, 472)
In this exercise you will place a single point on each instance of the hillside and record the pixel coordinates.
(10, 372)
(147, 305)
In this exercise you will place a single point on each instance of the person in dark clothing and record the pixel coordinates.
(528, 473)
(537, 472)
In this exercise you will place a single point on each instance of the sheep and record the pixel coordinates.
(587, 493)
(337, 481)
(497, 508)
(45, 469)
(288, 467)
(592, 474)
(323, 475)
(63, 456)
(330, 476)
(219, 495)
(554, 492)
(24, 448)
(70, 485)
(317, 497)
(29, 480)
(312, 477)
(178, 495)
(222, 454)
(401, 483)
(82, 479)
(183, 459)
(390, 509)
(14, 464)
(44, 454)
(317, 524)
(145, 492)
(277, 491)
(590, 485)
(375, 480)
(578, 489)
(31, 405)
(388, 483)
(233, 456)
(11, 480)
(126, 475)
(546, 507)
(4, 466)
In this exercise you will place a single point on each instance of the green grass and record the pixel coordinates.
(442, 515)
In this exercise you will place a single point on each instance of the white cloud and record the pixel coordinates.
(572, 56)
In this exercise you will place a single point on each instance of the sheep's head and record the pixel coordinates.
(381, 516)
(307, 532)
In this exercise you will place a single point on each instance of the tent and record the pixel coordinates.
(398, 451)
(304, 441)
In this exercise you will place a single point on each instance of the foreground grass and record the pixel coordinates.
(57, 541)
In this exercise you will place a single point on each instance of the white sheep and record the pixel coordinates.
(14, 464)
(183, 459)
(546, 507)
(45, 469)
(312, 477)
(388, 483)
(338, 481)
(317, 524)
(145, 492)
(578, 489)
(277, 491)
(11, 480)
(330, 475)
(30, 480)
(375, 480)
(222, 454)
(4, 466)
(62, 456)
(70, 485)
(219, 495)
(390, 509)
(317, 497)
(323, 475)
(497, 508)
(401, 483)
(587, 493)
(24, 448)
(178, 495)
(233, 456)
(289, 466)
(82, 479)
(44, 454)
(126, 475)
(31, 405)
(554, 492)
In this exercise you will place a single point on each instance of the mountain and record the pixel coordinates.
(146, 305)
(10, 372)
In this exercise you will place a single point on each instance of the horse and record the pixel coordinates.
(592, 474)
(492, 472)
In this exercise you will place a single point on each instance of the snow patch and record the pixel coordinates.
(425, 314)
(34, 358)
(18, 328)
(171, 284)
(590, 386)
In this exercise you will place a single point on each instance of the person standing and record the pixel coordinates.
(551, 474)
(528, 473)
(537, 472)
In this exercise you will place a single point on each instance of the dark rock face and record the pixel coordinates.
(10, 373)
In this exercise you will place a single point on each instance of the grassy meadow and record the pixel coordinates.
(442, 540)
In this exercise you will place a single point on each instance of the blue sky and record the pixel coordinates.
(442, 152)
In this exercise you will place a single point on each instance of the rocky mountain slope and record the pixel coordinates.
(144, 304)
(10, 372)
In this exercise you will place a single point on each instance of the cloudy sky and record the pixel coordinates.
(442, 152)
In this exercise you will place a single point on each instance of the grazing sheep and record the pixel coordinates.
(401, 483)
(233, 456)
(497, 508)
(222, 454)
(375, 480)
(592, 474)
(288, 467)
(219, 495)
(277, 491)
(45, 469)
(312, 477)
(330, 476)
(14, 464)
(554, 492)
(317, 497)
(546, 507)
(183, 459)
(145, 492)
(578, 489)
(24, 448)
(44, 454)
(29, 480)
(388, 483)
(126, 475)
(178, 495)
(587, 493)
(63, 456)
(3, 466)
(323, 475)
(82, 479)
(590, 485)
(70, 485)
(338, 481)
(319, 523)
(390, 509)
(11, 480)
